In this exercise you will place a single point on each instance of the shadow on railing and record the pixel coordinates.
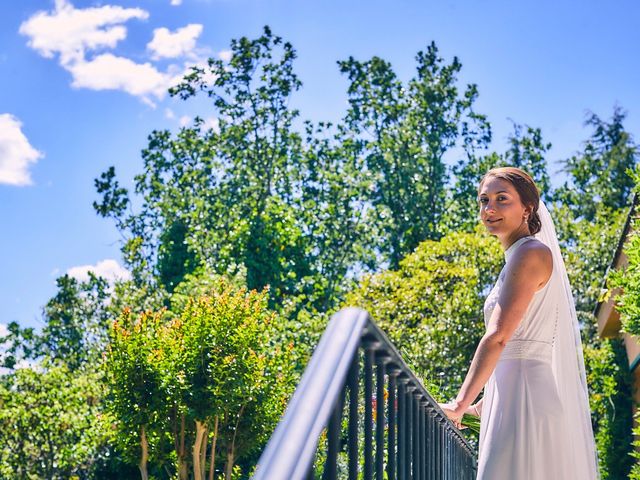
(394, 427)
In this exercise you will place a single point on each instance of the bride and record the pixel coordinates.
(535, 421)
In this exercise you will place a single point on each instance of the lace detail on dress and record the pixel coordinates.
(527, 348)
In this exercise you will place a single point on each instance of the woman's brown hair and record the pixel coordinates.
(526, 188)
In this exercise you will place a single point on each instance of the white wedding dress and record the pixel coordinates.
(523, 432)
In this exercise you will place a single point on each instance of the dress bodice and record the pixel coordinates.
(534, 336)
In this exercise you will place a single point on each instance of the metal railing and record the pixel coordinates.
(392, 427)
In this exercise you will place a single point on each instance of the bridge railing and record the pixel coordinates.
(360, 412)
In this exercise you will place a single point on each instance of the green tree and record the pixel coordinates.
(212, 377)
(75, 325)
(599, 174)
(136, 397)
(305, 213)
(627, 279)
(52, 424)
(407, 130)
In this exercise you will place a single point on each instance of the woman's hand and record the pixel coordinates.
(454, 411)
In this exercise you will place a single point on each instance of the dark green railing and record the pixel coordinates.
(359, 412)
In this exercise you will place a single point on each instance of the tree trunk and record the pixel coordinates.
(144, 445)
(229, 469)
(201, 430)
(232, 448)
(213, 449)
(203, 453)
(183, 470)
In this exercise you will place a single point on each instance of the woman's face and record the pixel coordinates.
(501, 210)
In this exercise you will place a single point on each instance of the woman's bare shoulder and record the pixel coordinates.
(534, 256)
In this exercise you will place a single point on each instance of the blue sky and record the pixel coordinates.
(83, 83)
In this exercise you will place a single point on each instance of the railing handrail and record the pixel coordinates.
(291, 448)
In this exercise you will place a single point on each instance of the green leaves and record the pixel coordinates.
(600, 173)
(216, 359)
(405, 133)
(52, 424)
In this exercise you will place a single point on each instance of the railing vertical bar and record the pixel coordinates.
(368, 413)
(438, 446)
(450, 456)
(416, 437)
(333, 439)
(380, 420)
(445, 459)
(402, 424)
(454, 460)
(443, 450)
(409, 431)
(430, 445)
(391, 444)
(423, 440)
(354, 385)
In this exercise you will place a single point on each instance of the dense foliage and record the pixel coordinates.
(209, 382)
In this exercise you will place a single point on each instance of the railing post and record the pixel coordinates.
(423, 438)
(431, 436)
(440, 452)
(410, 429)
(333, 440)
(402, 428)
(393, 412)
(381, 362)
(416, 436)
(368, 413)
(354, 385)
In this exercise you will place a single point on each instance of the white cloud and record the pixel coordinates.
(184, 120)
(4, 331)
(110, 72)
(73, 32)
(175, 3)
(16, 153)
(225, 55)
(182, 42)
(109, 269)
(80, 36)
(168, 114)
(70, 32)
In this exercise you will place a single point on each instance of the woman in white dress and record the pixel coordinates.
(535, 420)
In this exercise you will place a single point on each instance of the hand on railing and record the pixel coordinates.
(454, 411)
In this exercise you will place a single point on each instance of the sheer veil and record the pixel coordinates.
(568, 362)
